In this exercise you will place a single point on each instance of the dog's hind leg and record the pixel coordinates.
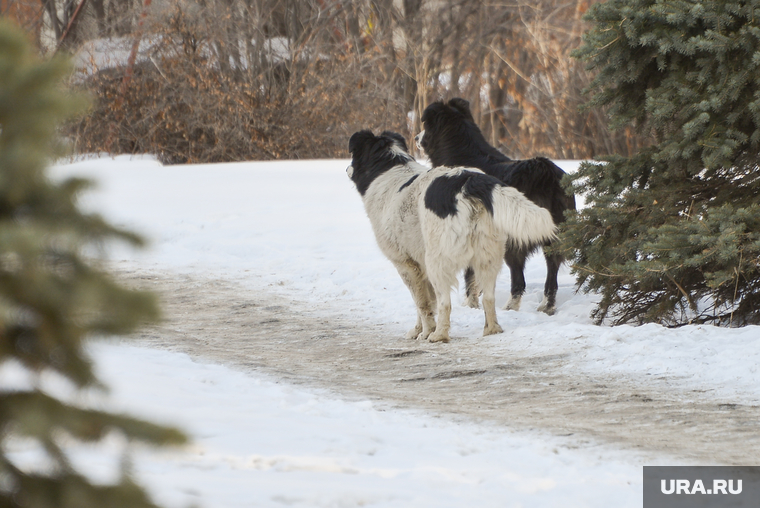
(419, 287)
(442, 278)
(549, 304)
(515, 259)
(441, 333)
(430, 293)
(487, 280)
(471, 289)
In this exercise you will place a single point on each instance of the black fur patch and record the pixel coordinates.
(408, 183)
(441, 194)
(374, 155)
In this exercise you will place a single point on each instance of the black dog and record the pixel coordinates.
(452, 138)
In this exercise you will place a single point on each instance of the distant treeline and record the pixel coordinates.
(261, 79)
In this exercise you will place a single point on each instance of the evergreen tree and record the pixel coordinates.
(672, 234)
(51, 295)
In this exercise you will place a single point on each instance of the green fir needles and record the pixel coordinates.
(672, 234)
(52, 297)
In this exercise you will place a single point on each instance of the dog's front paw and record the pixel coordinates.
(424, 334)
(550, 311)
(439, 337)
(513, 303)
(546, 308)
(417, 333)
(492, 330)
(472, 301)
(414, 333)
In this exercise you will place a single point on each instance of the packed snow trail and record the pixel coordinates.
(222, 321)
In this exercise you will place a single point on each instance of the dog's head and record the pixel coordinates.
(456, 108)
(449, 132)
(441, 119)
(371, 156)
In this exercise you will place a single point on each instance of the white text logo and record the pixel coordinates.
(685, 487)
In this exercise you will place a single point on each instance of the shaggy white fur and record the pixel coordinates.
(429, 250)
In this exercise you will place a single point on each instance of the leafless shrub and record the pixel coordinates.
(251, 79)
(220, 88)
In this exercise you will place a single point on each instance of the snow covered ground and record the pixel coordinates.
(299, 228)
(259, 443)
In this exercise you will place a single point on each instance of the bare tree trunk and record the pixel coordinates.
(120, 16)
(98, 6)
(55, 22)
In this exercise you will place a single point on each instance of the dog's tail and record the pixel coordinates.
(541, 182)
(526, 224)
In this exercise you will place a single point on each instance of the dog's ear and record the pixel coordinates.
(461, 105)
(431, 111)
(398, 137)
(358, 139)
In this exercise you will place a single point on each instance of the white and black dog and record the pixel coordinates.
(452, 138)
(433, 223)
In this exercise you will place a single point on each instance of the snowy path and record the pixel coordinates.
(272, 269)
(222, 321)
